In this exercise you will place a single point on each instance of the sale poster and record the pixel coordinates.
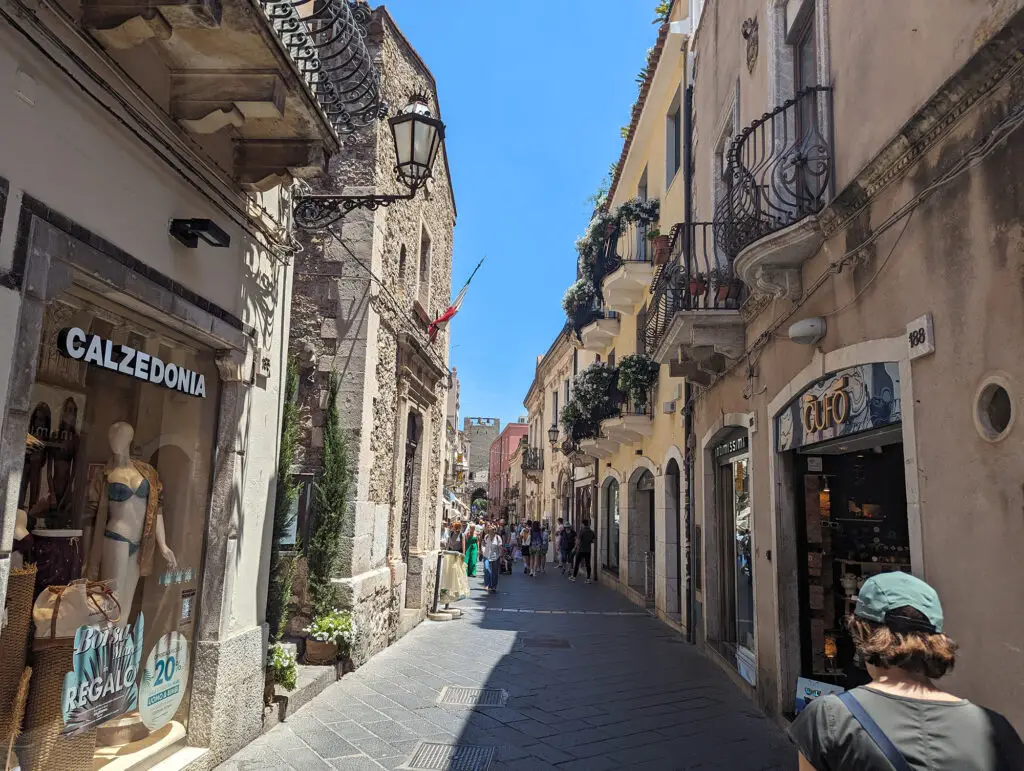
(102, 684)
(163, 680)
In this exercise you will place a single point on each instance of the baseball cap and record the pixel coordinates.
(883, 594)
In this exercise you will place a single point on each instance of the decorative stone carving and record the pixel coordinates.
(749, 30)
(784, 283)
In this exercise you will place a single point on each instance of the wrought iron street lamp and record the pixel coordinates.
(553, 436)
(417, 135)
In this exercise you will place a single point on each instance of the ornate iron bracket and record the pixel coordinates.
(318, 212)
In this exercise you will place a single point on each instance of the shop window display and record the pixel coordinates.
(112, 512)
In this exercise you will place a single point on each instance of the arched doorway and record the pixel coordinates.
(410, 484)
(673, 552)
(610, 525)
(640, 533)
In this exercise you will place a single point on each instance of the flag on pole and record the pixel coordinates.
(445, 317)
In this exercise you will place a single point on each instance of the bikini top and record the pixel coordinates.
(118, 491)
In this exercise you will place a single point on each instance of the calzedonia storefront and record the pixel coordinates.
(102, 599)
(842, 442)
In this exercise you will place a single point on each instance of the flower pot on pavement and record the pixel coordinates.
(320, 653)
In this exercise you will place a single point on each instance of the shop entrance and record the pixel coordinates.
(851, 525)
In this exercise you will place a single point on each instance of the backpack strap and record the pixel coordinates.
(878, 736)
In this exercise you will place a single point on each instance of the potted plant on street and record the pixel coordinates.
(660, 245)
(330, 637)
(281, 670)
(637, 375)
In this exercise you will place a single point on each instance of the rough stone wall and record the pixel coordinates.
(385, 408)
(480, 434)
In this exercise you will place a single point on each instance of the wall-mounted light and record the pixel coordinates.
(188, 232)
(553, 436)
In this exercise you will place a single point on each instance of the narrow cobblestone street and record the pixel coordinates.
(592, 683)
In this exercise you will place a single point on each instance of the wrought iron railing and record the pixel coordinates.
(698, 276)
(325, 40)
(533, 459)
(779, 171)
(635, 405)
(591, 313)
(628, 244)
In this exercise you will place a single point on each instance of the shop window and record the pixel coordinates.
(115, 489)
(611, 540)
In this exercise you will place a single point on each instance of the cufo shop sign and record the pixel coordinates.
(843, 403)
(78, 344)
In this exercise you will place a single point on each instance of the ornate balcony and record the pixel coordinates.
(286, 79)
(599, 448)
(533, 462)
(629, 269)
(693, 322)
(634, 421)
(598, 327)
(779, 176)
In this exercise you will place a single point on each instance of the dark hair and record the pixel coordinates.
(536, 525)
(586, 523)
(923, 653)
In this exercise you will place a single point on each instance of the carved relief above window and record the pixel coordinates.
(749, 31)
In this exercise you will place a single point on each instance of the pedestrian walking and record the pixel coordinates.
(585, 541)
(559, 529)
(456, 539)
(566, 546)
(902, 720)
(525, 535)
(536, 547)
(545, 544)
(492, 550)
(472, 551)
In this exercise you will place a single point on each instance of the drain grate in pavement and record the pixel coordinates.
(450, 757)
(545, 642)
(460, 696)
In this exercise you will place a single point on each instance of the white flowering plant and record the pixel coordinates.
(334, 627)
(281, 662)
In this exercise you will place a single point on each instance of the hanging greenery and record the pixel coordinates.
(578, 296)
(282, 562)
(662, 11)
(332, 495)
(637, 375)
(592, 401)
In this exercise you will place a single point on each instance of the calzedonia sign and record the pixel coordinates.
(78, 344)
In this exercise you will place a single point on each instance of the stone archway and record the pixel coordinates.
(640, 533)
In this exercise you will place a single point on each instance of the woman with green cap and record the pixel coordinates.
(902, 721)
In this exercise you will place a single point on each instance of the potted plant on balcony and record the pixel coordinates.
(637, 375)
(698, 284)
(724, 283)
(660, 245)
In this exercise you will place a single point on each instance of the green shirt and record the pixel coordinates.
(931, 735)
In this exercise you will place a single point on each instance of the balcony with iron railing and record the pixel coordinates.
(597, 325)
(693, 322)
(779, 177)
(628, 267)
(533, 462)
(285, 77)
(634, 419)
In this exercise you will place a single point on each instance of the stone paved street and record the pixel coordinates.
(593, 683)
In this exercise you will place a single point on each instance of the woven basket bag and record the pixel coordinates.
(14, 644)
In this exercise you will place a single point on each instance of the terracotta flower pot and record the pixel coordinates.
(320, 653)
(723, 292)
(662, 248)
(697, 286)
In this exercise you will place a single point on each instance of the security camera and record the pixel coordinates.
(808, 331)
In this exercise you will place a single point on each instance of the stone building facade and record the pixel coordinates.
(478, 435)
(363, 296)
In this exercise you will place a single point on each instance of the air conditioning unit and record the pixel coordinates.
(669, 408)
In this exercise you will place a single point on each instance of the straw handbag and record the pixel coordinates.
(60, 610)
(14, 644)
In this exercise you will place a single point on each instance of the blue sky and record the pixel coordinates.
(532, 95)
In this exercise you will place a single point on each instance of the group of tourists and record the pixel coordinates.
(500, 545)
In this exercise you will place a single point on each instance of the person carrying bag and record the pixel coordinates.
(902, 721)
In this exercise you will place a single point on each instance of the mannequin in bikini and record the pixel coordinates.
(129, 520)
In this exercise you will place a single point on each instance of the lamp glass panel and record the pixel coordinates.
(424, 141)
(403, 140)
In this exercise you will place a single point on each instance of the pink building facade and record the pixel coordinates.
(501, 453)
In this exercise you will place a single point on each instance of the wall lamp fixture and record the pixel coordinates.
(418, 136)
(188, 232)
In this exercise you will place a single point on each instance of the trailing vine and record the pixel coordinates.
(593, 400)
(282, 563)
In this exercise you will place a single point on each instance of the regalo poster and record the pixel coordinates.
(102, 684)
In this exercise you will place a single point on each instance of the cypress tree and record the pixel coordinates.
(282, 563)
